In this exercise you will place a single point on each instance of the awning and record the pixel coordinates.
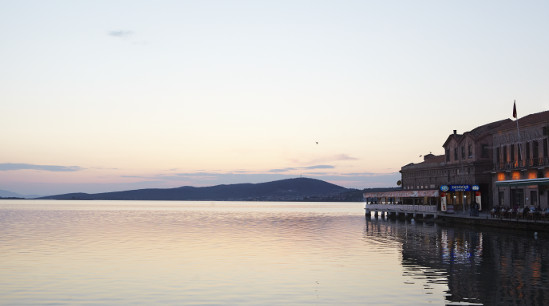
(402, 194)
(528, 182)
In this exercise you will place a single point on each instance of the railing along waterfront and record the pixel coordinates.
(401, 208)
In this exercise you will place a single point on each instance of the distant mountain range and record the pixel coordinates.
(8, 194)
(4, 194)
(297, 189)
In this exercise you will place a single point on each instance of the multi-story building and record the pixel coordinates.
(520, 173)
(462, 174)
(503, 163)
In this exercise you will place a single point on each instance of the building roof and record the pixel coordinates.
(532, 119)
(457, 137)
(488, 128)
(429, 161)
(479, 132)
(435, 159)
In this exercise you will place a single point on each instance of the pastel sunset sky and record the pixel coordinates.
(113, 95)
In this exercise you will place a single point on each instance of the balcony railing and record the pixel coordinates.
(521, 164)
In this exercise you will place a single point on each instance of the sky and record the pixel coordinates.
(100, 96)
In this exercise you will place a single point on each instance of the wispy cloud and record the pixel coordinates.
(289, 169)
(325, 159)
(281, 170)
(332, 158)
(319, 167)
(52, 168)
(344, 157)
(121, 33)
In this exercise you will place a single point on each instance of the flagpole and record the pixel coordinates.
(518, 129)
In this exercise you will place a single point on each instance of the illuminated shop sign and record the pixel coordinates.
(453, 188)
(460, 187)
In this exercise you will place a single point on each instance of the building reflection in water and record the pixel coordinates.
(478, 266)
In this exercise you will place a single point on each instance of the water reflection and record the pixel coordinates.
(86, 252)
(478, 266)
(177, 253)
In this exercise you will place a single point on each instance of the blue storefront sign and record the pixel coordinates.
(460, 187)
(454, 188)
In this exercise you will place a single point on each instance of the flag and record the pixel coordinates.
(515, 109)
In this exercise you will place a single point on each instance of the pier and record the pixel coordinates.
(430, 213)
(399, 211)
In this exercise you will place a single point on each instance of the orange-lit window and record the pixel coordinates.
(516, 175)
(532, 175)
(501, 176)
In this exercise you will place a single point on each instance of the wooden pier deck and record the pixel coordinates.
(429, 212)
(402, 211)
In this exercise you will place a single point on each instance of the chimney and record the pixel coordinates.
(455, 132)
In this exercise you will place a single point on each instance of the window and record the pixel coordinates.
(455, 153)
(545, 153)
(498, 159)
(512, 149)
(527, 150)
(533, 198)
(517, 197)
(505, 154)
(470, 151)
(501, 198)
(447, 155)
(535, 150)
(484, 151)
(462, 152)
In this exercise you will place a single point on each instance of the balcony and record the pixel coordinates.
(523, 164)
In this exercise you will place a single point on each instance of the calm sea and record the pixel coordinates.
(259, 253)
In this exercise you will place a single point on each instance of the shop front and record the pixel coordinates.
(460, 198)
(523, 193)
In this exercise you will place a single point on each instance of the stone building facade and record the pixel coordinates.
(520, 175)
(462, 174)
(499, 164)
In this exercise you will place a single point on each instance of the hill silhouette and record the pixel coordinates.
(297, 189)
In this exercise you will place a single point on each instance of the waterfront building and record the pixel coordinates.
(462, 174)
(494, 165)
(520, 172)
(418, 187)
